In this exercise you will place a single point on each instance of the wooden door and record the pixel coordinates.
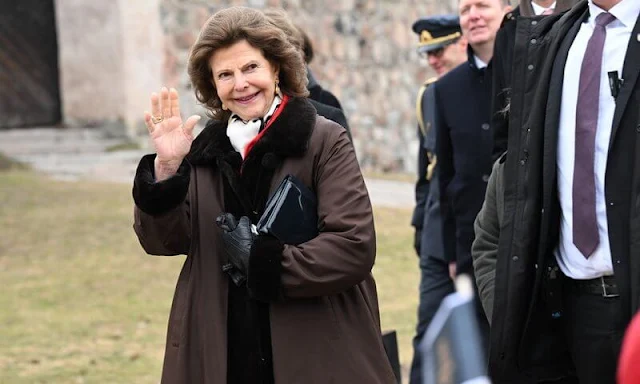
(29, 84)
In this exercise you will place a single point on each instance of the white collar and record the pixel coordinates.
(538, 9)
(626, 12)
(479, 63)
(241, 133)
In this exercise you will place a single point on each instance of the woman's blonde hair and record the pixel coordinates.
(229, 26)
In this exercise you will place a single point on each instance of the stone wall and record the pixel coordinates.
(90, 60)
(110, 57)
(113, 54)
(365, 55)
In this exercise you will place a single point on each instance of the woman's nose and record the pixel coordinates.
(241, 83)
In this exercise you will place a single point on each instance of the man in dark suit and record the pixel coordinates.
(464, 140)
(442, 43)
(511, 37)
(567, 274)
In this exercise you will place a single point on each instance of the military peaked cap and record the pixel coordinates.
(436, 31)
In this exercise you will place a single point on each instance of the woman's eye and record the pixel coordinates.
(252, 67)
(223, 75)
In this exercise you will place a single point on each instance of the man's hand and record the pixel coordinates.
(452, 270)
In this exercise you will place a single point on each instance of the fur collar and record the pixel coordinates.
(287, 137)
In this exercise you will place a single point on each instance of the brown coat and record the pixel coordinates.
(323, 307)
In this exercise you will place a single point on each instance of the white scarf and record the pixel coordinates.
(241, 133)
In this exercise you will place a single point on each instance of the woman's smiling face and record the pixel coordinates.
(244, 80)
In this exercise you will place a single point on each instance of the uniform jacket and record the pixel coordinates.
(315, 304)
(463, 148)
(525, 343)
(426, 215)
(513, 36)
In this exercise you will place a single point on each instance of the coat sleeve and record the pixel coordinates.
(161, 212)
(485, 245)
(444, 153)
(343, 253)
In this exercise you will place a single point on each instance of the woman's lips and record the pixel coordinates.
(246, 99)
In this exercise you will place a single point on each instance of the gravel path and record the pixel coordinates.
(83, 154)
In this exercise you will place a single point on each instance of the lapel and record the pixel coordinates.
(526, 9)
(630, 72)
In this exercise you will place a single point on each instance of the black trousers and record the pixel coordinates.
(594, 326)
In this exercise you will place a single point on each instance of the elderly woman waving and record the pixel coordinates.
(305, 313)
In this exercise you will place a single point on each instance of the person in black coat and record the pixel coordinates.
(464, 140)
(444, 48)
(563, 311)
(513, 36)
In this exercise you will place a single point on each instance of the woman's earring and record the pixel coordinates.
(224, 107)
(278, 88)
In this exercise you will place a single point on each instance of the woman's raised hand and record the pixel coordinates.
(171, 136)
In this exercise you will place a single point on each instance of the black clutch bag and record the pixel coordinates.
(291, 213)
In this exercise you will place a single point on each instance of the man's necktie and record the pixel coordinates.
(547, 11)
(585, 225)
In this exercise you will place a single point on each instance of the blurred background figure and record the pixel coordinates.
(442, 44)
(316, 92)
(299, 39)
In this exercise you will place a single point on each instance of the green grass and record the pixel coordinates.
(81, 302)
(124, 146)
(7, 163)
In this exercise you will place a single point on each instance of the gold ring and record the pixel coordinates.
(157, 119)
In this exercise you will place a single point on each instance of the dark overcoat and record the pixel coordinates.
(315, 304)
(526, 343)
(514, 36)
(463, 147)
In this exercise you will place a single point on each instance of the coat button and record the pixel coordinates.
(485, 126)
(485, 178)
(533, 41)
(530, 67)
(534, 22)
(515, 258)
